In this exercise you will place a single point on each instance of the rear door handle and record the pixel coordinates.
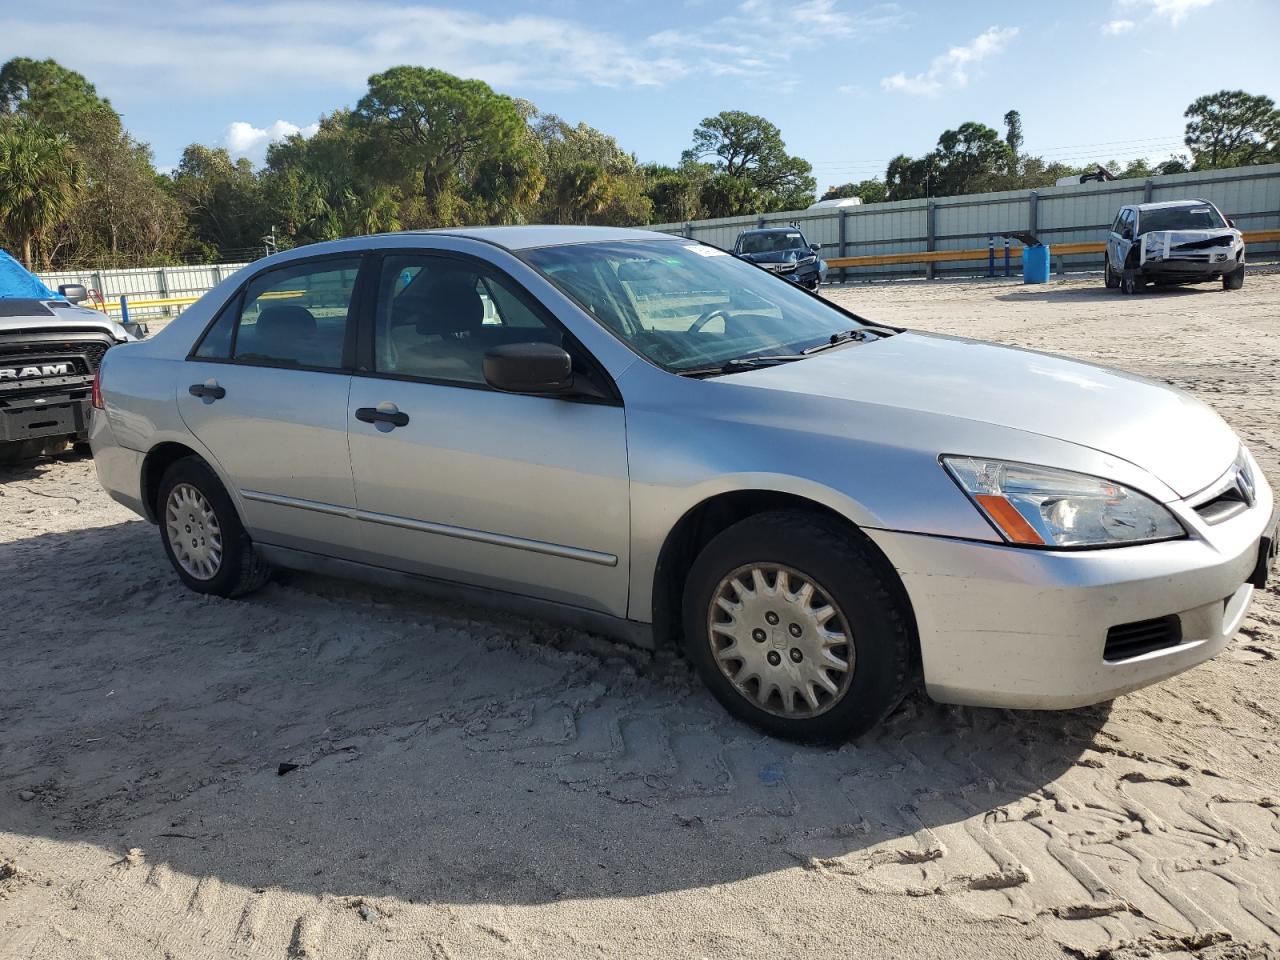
(208, 391)
(385, 416)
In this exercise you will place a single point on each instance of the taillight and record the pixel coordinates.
(96, 397)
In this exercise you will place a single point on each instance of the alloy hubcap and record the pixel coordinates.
(781, 640)
(193, 531)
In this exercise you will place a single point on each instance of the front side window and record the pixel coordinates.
(297, 316)
(686, 306)
(436, 317)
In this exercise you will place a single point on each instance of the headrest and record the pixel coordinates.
(286, 321)
(456, 307)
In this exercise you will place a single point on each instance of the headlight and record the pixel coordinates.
(1041, 506)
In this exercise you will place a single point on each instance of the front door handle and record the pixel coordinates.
(385, 416)
(208, 391)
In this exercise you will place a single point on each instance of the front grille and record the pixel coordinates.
(1226, 505)
(87, 354)
(1142, 636)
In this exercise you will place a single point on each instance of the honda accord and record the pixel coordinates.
(645, 436)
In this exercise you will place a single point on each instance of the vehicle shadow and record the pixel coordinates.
(1048, 293)
(445, 754)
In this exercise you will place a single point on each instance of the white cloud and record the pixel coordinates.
(952, 68)
(753, 36)
(1175, 11)
(1114, 28)
(245, 140)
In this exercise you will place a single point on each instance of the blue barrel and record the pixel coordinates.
(1035, 264)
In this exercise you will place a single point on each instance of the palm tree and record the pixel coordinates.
(39, 182)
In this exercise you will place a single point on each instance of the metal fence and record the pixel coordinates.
(147, 283)
(1072, 214)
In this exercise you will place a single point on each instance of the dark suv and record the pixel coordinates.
(784, 251)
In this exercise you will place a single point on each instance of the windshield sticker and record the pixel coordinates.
(707, 251)
(1199, 210)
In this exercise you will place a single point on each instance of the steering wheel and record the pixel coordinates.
(707, 317)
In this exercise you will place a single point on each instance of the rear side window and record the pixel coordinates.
(296, 316)
(216, 344)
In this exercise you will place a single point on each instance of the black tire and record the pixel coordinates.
(853, 576)
(1233, 280)
(1132, 282)
(1109, 279)
(240, 570)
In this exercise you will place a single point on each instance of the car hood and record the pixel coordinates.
(1165, 431)
(778, 256)
(21, 315)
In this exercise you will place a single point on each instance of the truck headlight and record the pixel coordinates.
(1042, 506)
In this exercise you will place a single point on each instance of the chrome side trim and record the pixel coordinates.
(497, 539)
(628, 631)
(315, 506)
(440, 529)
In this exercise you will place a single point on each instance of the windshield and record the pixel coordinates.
(771, 242)
(1200, 217)
(686, 306)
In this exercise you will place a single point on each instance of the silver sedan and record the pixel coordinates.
(644, 436)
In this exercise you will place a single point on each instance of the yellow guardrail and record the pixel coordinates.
(156, 302)
(1015, 252)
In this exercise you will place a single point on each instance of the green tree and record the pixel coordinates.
(124, 216)
(221, 200)
(868, 191)
(39, 183)
(330, 185)
(471, 147)
(1232, 128)
(589, 178)
(46, 91)
(749, 150)
(674, 192)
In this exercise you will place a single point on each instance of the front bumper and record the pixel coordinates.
(1004, 626)
(1177, 270)
(64, 413)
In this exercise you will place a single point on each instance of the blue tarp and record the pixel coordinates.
(17, 284)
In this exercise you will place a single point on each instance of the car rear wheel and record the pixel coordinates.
(202, 534)
(1233, 280)
(797, 628)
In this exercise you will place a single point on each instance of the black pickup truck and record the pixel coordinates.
(50, 349)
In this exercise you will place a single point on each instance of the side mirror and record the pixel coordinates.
(1126, 234)
(1231, 223)
(74, 292)
(536, 368)
(815, 247)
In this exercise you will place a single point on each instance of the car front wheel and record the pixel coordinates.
(1109, 279)
(796, 627)
(202, 534)
(1233, 280)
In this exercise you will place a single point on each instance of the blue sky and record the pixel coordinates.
(850, 84)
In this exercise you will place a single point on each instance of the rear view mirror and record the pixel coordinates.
(536, 368)
(73, 292)
(632, 270)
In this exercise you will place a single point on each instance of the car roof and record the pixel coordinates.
(787, 229)
(1166, 204)
(543, 235)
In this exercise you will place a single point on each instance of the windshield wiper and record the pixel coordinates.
(741, 363)
(857, 334)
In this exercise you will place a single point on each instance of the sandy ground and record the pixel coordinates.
(471, 785)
